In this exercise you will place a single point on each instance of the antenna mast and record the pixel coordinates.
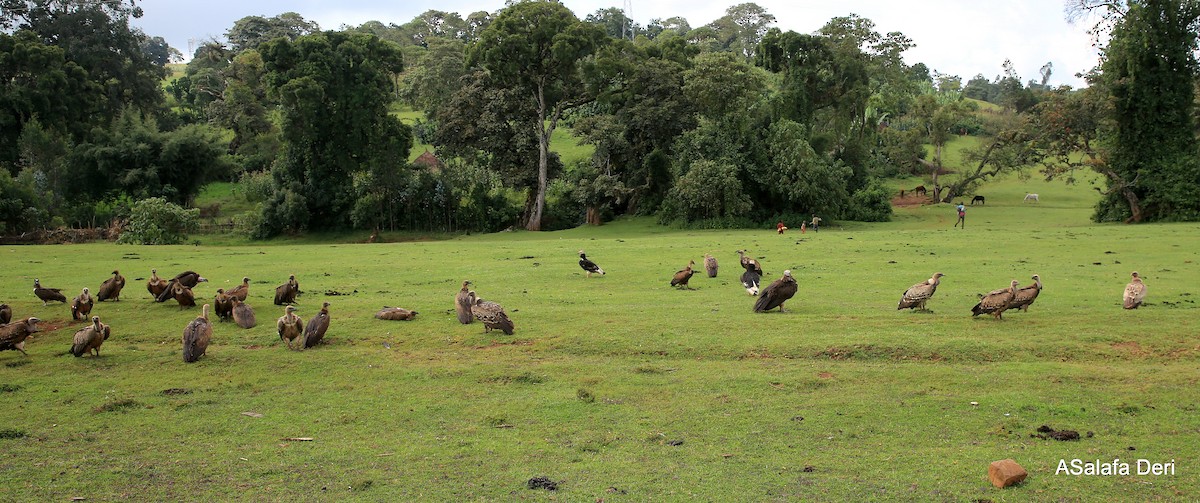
(627, 29)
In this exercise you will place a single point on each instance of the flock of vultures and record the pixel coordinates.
(231, 305)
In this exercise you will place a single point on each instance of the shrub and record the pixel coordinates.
(871, 203)
(155, 221)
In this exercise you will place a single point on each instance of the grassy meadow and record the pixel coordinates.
(621, 388)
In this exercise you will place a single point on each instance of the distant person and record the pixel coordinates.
(816, 222)
(962, 215)
(803, 227)
(780, 227)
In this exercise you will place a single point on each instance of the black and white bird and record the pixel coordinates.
(751, 280)
(589, 266)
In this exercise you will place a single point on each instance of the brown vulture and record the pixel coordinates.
(491, 314)
(462, 304)
(238, 292)
(317, 326)
(13, 335)
(5, 314)
(189, 279)
(286, 293)
(110, 289)
(588, 266)
(775, 294)
(996, 301)
(223, 305)
(395, 314)
(1135, 292)
(88, 339)
(156, 285)
(710, 265)
(917, 295)
(749, 263)
(183, 295)
(196, 336)
(1025, 296)
(681, 277)
(48, 294)
(81, 306)
(289, 326)
(243, 314)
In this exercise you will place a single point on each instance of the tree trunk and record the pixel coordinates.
(1131, 197)
(593, 216)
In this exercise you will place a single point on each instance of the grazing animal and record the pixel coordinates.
(996, 301)
(1025, 296)
(681, 277)
(286, 293)
(491, 314)
(978, 199)
(1135, 292)
(81, 306)
(750, 280)
(196, 336)
(239, 292)
(48, 294)
(588, 266)
(243, 314)
(223, 305)
(290, 326)
(396, 314)
(110, 289)
(775, 294)
(184, 296)
(88, 339)
(920, 190)
(5, 314)
(710, 265)
(317, 326)
(749, 263)
(463, 303)
(156, 285)
(13, 335)
(916, 295)
(1031, 197)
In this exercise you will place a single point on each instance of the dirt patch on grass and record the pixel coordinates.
(1045, 432)
(117, 405)
(910, 199)
(1131, 347)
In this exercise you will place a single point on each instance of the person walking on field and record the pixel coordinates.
(780, 227)
(816, 221)
(962, 215)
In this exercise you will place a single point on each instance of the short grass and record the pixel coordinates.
(620, 388)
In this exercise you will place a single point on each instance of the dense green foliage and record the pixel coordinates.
(156, 221)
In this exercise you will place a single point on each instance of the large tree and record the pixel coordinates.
(537, 48)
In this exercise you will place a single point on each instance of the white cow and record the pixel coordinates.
(1031, 197)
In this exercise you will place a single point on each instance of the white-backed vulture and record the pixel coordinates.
(81, 305)
(48, 294)
(88, 339)
(243, 314)
(491, 314)
(1026, 295)
(710, 265)
(462, 304)
(917, 295)
(13, 335)
(289, 327)
(996, 301)
(155, 285)
(588, 266)
(1135, 292)
(682, 277)
(395, 314)
(110, 289)
(775, 294)
(196, 336)
(314, 332)
(239, 292)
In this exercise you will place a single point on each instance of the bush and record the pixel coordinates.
(871, 203)
(155, 221)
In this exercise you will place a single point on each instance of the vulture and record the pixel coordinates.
(917, 295)
(315, 331)
(710, 265)
(462, 304)
(749, 263)
(81, 306)
(775, 294)
(1135, 291)
(189, 279)
(243, 314)
(156, 285)
(395, 314)
(681, 277)
(111, 288)
(286, 293)
(1025, 296)
(223, 305)
(88, 339)
(183, 295)
(491, 314)
(238, 292)
(196, 336)
(5, 314)
(290, 326)
(750, 280)
(589, 266)
(48, 294)
(996, 302)
(13, 335)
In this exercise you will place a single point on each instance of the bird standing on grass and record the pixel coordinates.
(996, 301)
(223, 305)
(710, 265)
(286, 293)
(88, 339)
(1025, 296)
(243, 314)
(289, 326)
(110, 289)
(917, 295)
(48, 294)
(196, 336)
(463, 303)
(314, 332)
(239, 292)
(750, 280)
(682, 277)
(13, 335)
(775, 294)
(81, 306)
(589, 266)
(155, 285)
(749, 262)
(1135, 292)
(491, 314)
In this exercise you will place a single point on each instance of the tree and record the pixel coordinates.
(334, 89)
(749, 22)
(536, 48)
(252, 31)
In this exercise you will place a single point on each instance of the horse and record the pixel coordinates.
(977, 198)
(920, 190)
(1031, 197)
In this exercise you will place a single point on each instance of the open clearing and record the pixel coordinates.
(621, 388)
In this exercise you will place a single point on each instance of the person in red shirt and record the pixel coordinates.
(780, 227)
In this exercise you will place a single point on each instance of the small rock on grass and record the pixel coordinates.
(1006, 472)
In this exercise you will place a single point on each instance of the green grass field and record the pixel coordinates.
(621, 388)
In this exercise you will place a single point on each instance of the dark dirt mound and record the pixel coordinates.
(1045, 432)
(542, 483)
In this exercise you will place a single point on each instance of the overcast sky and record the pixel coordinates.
(956, 37)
